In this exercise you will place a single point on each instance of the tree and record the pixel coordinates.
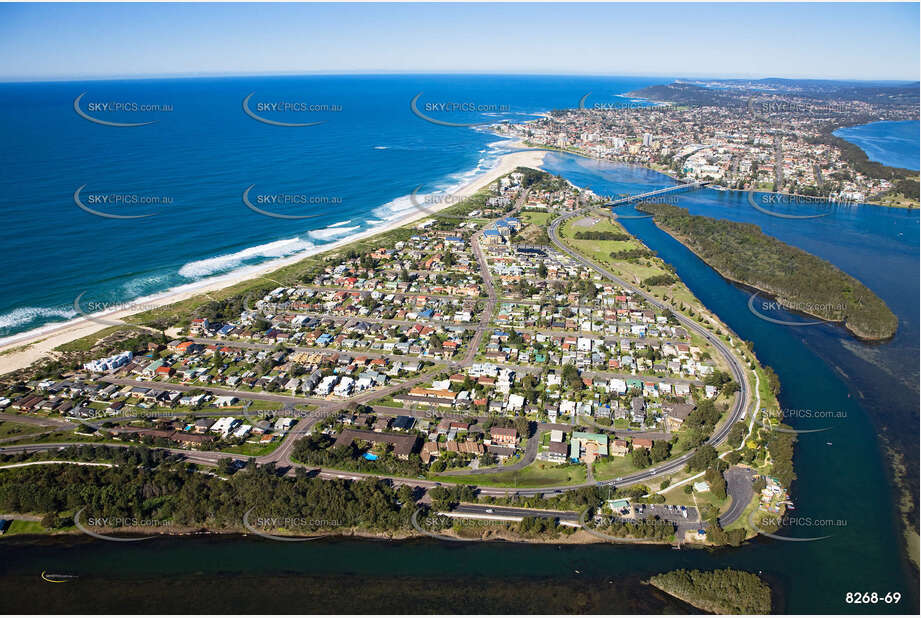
(660, 450)
(702, 458)
(225, 466)
(736, 435)
(641, 458)
(571, 378)
(716, 481)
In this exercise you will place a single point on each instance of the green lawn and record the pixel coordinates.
(538, 474)
(23, 526)
(537, 218)
(252, 450)
(10, 429)
(613, 467)
(55, 437)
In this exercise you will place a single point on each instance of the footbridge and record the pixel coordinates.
(692, 186)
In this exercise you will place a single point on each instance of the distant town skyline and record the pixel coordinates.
(92, 41)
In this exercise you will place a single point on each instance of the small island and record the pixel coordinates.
(800, 281)
(725, 591)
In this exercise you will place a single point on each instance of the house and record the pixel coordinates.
(502, 452)
(190, 439)
(225, 425)
(345, 387)
(403, 423)
(638, 409)
(262, 427)
(325, 387)
(515, 403)
(151, 369)
(429, 452)
(642, 443)
(202, 425)
(619, 448)
(676, 414)
(585, 446)
(403, 444)
(557, 451)
(503, 436)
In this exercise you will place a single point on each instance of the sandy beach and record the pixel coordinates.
(21, 350)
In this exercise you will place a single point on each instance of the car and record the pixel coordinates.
(489, 511)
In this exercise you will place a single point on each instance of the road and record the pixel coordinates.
(255, 345)
(738, 372)
(606, 375)
(530, 454)
(281, 455)
(509, 513)
(739, 488)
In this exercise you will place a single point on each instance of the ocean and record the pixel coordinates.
(188, 170)
(844, 487)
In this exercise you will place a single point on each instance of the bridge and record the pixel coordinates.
(693, 186)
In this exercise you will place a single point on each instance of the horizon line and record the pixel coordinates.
(383, 73)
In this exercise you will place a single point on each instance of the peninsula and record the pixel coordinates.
(488, 371)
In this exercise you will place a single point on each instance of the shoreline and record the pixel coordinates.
(20, 350)
(497, 535)
(908, 207)
(840, 323)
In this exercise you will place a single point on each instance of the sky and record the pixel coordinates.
(80, 41)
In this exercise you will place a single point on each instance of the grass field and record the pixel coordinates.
(55, 437)
(10, 429)
(22, 526)
(538, 474)
(613, 467)
(597, 250)
(536, 218)
(252, 450)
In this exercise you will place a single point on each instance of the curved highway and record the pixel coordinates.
(281, 455)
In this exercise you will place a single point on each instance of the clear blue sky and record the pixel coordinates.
(72, 41)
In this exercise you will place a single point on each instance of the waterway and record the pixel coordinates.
(843, 488)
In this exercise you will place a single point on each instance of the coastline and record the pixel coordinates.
(21, 350)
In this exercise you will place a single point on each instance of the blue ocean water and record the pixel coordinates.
(372, 154)
(359, 165)
(895, 143)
